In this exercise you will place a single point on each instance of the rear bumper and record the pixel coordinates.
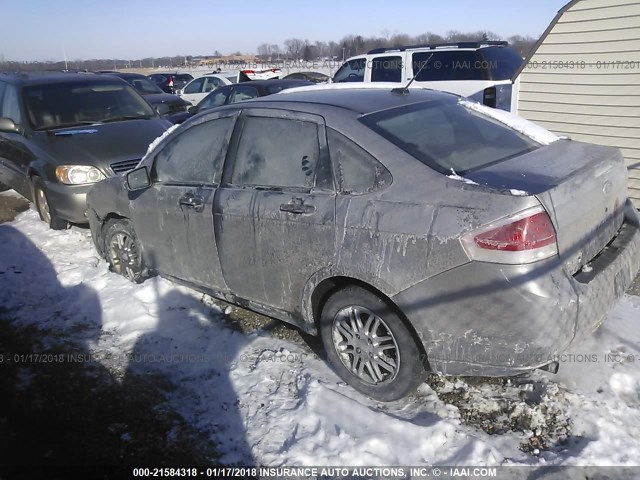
(492, 320)
(69, 201)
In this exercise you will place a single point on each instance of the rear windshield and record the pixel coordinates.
(143, 85)
(503, 62)
(58, 105)
(447, 136)
(183, 77)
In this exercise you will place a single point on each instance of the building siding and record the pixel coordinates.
(583, 79)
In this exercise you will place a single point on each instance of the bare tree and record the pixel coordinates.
(294, 48)
(264, 51)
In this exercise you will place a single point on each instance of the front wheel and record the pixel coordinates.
(45, 209)
(122, 249)
(369, 345)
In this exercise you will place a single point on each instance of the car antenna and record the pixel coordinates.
(405, 90)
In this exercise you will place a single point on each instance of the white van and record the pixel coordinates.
(480, 71)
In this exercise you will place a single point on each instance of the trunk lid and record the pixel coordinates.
(582, 187)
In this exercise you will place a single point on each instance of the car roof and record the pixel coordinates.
(275, 81)
(124, 75)
(362, 100)
(44, 78)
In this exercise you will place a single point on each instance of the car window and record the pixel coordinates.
(448, 136)
(434, 66)
(211, 83)
(216, 98)
(144, 85)
(243, 93)
(503, 62)
(262, 158)
(386, 69)
(195, 86)
(352, 71)
(158, 79)
(182, 77)
(11, 105)
(356, 170)
(195, 155)
(3, 86)
(280, 86)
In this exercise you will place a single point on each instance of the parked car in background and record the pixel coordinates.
(170, 82)
(61, 132)
(459, 247)
(167, 105)
(263, 74)
(198, 88)
(314, 77)
(480, 71)
(239, 92)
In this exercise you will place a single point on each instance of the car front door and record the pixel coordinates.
(15, 156)
(274, 213)
(194, 91)
(174, 217)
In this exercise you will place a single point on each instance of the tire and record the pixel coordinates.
(46, 210)
(3, 187)
(374, 374)
(122, 250)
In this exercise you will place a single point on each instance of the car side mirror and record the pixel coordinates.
(138, 179)
(179, 92)
(9, 126)
(162, 109)
(193, 110)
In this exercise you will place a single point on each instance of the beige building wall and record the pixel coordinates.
(583, 80)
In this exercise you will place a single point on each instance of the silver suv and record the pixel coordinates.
(480, 71)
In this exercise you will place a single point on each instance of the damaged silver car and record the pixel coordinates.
(407, 228)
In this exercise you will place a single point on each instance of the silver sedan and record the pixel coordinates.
(411, 230)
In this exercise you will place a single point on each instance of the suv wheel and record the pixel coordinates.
(369, 345)
(122, 249)
(45, 209)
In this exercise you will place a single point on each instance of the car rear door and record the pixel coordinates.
(275, 211)
(174, 216)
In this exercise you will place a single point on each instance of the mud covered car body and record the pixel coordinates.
(495, 266)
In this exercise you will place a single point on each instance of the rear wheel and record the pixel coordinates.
(369, 345)
(44, 207)
(123, 252)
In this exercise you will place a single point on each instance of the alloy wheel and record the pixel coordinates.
(43, 205)
(124, 255)
(365, 345)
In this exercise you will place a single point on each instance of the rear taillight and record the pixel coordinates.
(526, 237)
(170, 83)
(490, 97)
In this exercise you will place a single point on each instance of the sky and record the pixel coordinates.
(134, 29)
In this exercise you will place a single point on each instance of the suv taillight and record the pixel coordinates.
(170, 82)
(526, 237)
(490, 97)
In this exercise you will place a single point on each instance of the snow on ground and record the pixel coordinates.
(262, 398)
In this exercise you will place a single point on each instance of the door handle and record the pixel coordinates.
(196, 203)
(297, 206)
